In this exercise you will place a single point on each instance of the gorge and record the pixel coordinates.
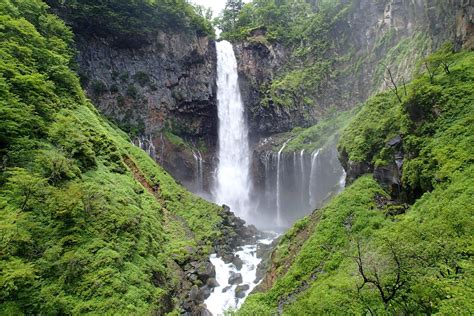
(314, 159)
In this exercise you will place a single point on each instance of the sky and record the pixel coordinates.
(216, 5)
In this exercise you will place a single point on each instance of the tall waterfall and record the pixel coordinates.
(232, 180)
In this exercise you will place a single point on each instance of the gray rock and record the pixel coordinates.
(193, 294)
(226, 288)
(394, 142)
(212, 283)
(235, 278)
(238, 263)
(203, 293)
(241, 290)
(202, 310)
(205, 271)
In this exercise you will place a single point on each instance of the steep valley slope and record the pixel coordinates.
(398, 240)
(89, 222)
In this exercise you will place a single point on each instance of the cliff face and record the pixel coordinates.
(258, 63)
(164, 93)
(367, 39)
(169, 84)
(465, 25)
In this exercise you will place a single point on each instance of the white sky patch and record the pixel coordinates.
(216, 5)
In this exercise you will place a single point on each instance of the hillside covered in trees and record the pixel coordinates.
(89, 223)
(113, 112)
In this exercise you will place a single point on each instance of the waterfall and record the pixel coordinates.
(198, 177)
(302, 176)
(278, 185)
(313, 179)
(232, 181)
(146, 144)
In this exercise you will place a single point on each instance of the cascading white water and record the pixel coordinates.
(312, 179)
(232, 182)
(198, 177)
(302, 175)
(278, 185)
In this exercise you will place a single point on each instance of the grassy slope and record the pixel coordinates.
(90, 224)
(425, 253)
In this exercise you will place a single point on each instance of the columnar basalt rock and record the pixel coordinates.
(166, 86)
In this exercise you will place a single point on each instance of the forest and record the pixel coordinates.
(355, 117)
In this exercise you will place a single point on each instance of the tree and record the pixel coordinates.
(23, 187)
(385, 272)
(228, 21)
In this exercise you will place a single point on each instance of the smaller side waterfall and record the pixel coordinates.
(296, 183)
(198, 177)
(302, 176)
(146, 143)
(312, 178)
(278, 185)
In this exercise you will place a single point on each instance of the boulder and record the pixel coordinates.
(205, 271)
(235, 278)
(193, 294)
(203, 293)
(238, 263)
(212, 283)
(240, 290)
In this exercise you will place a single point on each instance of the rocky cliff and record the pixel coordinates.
(368, 40)
(162, 93)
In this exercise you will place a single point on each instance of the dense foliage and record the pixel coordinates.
(89, 223)
(365, 254)
(324, 58)
(433, 118)
(131, 21)
(305, 29)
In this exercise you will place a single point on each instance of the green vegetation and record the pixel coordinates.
(130, 22)
(355, 256)
(89, 223)
(434, 119)
(301, 27)
(321, 56)
(284, 20)
(326, 131)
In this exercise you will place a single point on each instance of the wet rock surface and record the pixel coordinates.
(235, 278)
(200, 275)
(241, 290)
(235, 234)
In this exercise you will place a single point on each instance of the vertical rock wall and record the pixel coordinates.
(157, 92)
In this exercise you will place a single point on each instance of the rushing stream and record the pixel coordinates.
(226, 296)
